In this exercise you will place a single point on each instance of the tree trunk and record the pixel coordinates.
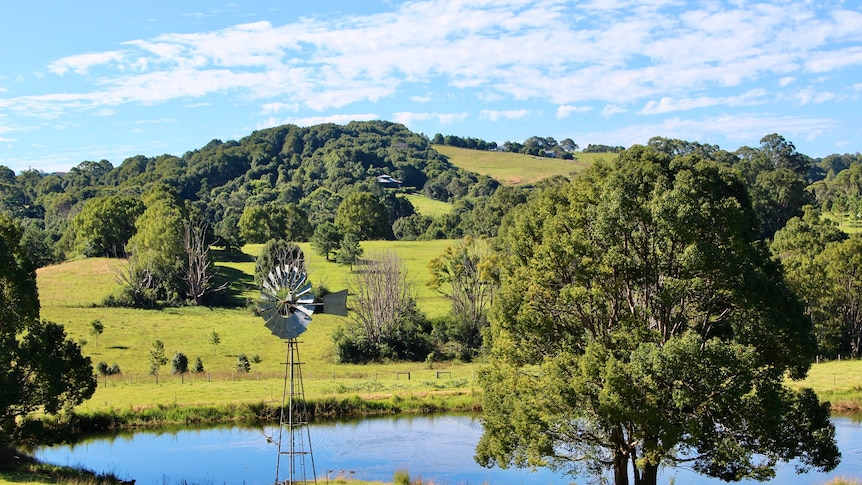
(649, 474)
(621, 457)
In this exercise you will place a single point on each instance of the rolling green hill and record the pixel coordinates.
(515, 168)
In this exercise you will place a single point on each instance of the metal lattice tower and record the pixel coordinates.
(286, 304)
(293, 421)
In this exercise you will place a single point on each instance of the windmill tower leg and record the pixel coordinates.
(293, 421)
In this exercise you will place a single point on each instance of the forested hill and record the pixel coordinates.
(300, 175)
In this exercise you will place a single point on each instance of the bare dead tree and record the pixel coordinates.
(381, 292)
(199, 272)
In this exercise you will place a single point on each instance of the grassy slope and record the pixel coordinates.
(515, 168)
(428, 207)
(70, 292)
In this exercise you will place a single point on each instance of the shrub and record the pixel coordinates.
(180, 364)
(199, 366)
(243, 364)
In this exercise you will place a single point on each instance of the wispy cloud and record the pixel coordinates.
(409, 119)
(566, 110)
(667, 104)
(497, 115)
(498, 47)
(81, 63)
(316, 120)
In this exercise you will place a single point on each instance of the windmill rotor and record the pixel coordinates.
(286, 303)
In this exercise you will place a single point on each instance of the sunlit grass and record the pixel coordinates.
(428, 207)
(71, 294)
(516, 168)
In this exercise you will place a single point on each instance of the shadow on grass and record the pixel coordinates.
(224, 256)
(234, 295)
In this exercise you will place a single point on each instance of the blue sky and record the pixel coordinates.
(92, 80)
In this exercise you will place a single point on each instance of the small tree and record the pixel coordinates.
(180, 364)
(326, 239)
(349, 250)
(96, 329)
(215, 340)
(157, 358)
(242, 364)
(199, 366)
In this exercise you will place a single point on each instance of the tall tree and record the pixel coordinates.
(42, 370)
(842, 302)
(363, 214)
(105, 225)
(640, 324)
(800, 245)
(467, 275)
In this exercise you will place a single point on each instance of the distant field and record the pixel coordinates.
(428, 207)
(515, 168)
(844, 222)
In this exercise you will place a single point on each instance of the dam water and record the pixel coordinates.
(438, 449)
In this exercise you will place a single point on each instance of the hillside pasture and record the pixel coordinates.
(72, 294)
(428, 207)
(515, 168)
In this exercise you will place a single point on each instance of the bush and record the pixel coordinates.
(103, 369)
(199, 366)
(243, 364)
(180, 364)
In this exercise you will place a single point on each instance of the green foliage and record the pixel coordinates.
(96, 329)
(105, 370)
(386, 324)
(277, 253)
(640, 318)
(349, 250)
(242, 364)
(363, 214)
(800, 245)
(214, 340)
(467, 275)
(199, 366)
(326, 239)
(179, 364)
(105, 225)
(43, 370)
(157, 358)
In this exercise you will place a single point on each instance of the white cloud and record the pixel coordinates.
(81, 63)
(341, 119)
(667, 104)
(785, 81)
(612, 109)
(564, 111)
(739, 129)
(408, 118)
(499, 48)
(421, 99)
(273, 108)
(497, 115)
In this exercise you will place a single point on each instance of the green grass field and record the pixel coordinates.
(515, 168)
(428, 207)
(71, 294)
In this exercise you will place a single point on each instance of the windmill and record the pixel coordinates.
(286, 305)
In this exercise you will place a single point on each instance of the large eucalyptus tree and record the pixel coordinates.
(640, 324)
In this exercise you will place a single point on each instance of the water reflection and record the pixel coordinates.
(435, 448)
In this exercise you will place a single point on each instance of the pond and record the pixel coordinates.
(436, 448)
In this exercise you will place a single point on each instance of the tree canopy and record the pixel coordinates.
(641, 324)
(43, 370)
